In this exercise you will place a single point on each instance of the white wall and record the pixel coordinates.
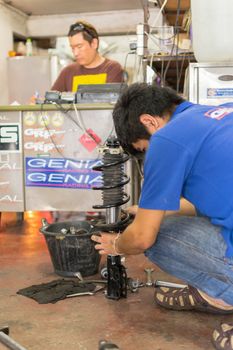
(11, 21)
(107, 22)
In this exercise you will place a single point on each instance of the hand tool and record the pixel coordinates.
(8, 341)
(104, 345)
(97, 288)
(78, 275)
(133, 285)
(149, 282)
(158, 283)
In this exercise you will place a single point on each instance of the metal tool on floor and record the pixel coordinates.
(82, 280)
(117, 278)
(149, 281)
(97, 289)
(158, 283)
(134, 284)
(8, 341)
(78, 275)
(104, 345)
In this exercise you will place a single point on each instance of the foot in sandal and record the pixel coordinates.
(186, 299)
(223, 337)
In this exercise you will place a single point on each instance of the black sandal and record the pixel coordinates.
(223, 337)
(185, 299)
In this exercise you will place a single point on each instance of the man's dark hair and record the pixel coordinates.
(88, 30)
(138, 99)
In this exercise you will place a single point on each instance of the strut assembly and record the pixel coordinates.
(114, 179)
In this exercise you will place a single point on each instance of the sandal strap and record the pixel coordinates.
(197, 296)
(187, 298)
(223, 339)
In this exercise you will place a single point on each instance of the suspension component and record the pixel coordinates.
(113, 197)
(114, 179)
(117, 278)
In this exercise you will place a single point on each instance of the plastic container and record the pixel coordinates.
(21, 48)
(212, 28)
(71, 253)
(28, 47)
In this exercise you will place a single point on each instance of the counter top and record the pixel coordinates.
(52, 107)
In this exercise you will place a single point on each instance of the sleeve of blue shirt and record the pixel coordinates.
(166, 168)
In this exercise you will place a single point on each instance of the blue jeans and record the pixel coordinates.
(193, 249)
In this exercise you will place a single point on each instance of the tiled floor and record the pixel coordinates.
(80, 323)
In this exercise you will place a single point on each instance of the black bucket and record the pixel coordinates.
(71, 252)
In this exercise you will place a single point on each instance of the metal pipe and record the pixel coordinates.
(10, 343)
(112, 215)
(145, 38)
(158, 283)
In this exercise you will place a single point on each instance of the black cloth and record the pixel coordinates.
(55, 290)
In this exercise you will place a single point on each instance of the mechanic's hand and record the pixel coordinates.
(105, 243)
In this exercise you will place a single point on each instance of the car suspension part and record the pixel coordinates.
(113, 196)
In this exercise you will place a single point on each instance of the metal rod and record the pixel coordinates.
(10, 343)
(168, 284)
(112, 215)
(145, 38)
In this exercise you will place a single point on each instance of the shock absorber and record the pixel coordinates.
(113, 195)
(114, 179)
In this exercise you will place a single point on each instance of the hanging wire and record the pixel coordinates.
(85, 129)
(181, 70)
(78, 121)
(176, 30)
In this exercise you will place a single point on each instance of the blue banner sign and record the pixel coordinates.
(63, 173)
(219, 92)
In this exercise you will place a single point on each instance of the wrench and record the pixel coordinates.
(97, 288)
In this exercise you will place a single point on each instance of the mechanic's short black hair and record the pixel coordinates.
(138, 99)
(88, 30)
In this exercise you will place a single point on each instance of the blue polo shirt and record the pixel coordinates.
(192, 157)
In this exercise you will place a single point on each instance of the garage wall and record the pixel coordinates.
(107, 23)
(11, 21)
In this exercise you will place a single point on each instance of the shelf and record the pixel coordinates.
(184, 56)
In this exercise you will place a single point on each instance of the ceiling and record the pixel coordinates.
(58, 7)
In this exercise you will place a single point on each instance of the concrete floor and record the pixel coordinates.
(79, 323)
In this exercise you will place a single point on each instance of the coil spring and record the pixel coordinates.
(113, 179)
